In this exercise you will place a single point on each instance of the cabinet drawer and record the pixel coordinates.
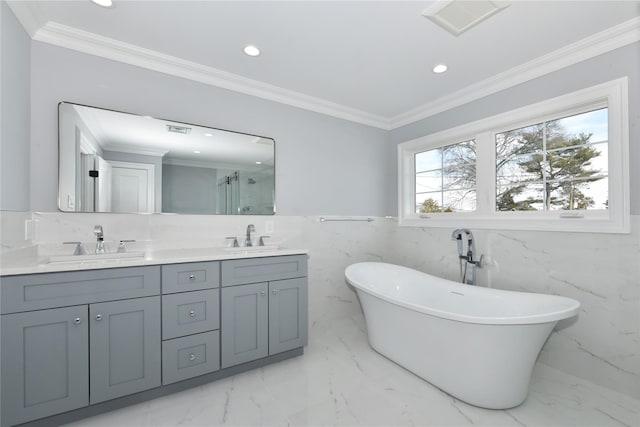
(254, 270)
(192, 276)
(49, 290)
(190, 356)
(190, 313)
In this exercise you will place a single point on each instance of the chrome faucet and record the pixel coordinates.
(100, 249)
(466, 259)
(250, 228)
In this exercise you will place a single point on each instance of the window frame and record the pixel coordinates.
(615, 219)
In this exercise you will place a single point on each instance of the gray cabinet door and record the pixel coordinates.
(44, 363)
(244, 325)
(125, 347)
(287, 314)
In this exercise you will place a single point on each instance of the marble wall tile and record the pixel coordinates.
(602, 271)
(332, 245)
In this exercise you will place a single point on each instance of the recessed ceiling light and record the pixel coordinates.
(103, 3)
(208, 134)
(258, 163)
(196, 152)
(440, 68)
(251, 50)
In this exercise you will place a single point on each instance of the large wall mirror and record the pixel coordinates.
(119, 162)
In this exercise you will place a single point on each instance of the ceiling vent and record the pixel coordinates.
(179, 129)
(457, 16)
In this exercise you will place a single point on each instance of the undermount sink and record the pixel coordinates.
(95, 257)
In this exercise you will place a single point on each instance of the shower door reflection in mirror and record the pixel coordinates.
(119, 162)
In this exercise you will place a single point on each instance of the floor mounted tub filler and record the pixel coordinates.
(477, 344)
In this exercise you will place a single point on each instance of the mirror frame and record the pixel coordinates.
(59, 196)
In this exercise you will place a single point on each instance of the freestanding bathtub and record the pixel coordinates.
(477, 344)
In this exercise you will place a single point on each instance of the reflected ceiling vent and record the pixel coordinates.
(179, 129)
(457, 16)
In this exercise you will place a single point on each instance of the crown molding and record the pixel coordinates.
(93, 44)
(612, 38)
(32, 19)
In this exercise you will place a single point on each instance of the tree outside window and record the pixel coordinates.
(558, 164)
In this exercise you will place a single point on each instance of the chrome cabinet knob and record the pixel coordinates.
(192, 277)
(192, 357)
(263, 293)
(274, 291)
(192, 313)
(98, 317)
(77, 320)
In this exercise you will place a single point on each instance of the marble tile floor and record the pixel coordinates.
(341, 381)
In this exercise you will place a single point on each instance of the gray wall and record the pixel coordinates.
(189, 189)
(15, 48)
(618, 63)
(324, 165)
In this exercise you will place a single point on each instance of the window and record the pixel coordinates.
(557, 164)
(561, 164)
(446, 178)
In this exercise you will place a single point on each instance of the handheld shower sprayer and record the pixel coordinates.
(467, 260)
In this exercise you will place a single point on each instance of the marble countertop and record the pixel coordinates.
(34, 264)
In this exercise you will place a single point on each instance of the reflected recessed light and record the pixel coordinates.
(258, 163)
(208, 134)
(103, 3)
(251, 50)
(440, 68)
(196, 152)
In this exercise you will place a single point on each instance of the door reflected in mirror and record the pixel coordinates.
(119, 162)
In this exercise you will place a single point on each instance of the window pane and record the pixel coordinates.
(459, 201)
(463, 176)
(518, 169)
(593, 124)
(601, 161)
(520, 197)
(429, 160)
(446, 201)
(458, 154)
(451, 168)
(519, 141)
(576, 194)
(429, 181)
(572, 163)
(429, 202)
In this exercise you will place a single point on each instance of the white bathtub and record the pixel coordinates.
(477, 344)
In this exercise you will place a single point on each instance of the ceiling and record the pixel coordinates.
(367, 61)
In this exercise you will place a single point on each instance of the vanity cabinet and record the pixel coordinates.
(267, 317)
(72, 342)
(63, 358)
